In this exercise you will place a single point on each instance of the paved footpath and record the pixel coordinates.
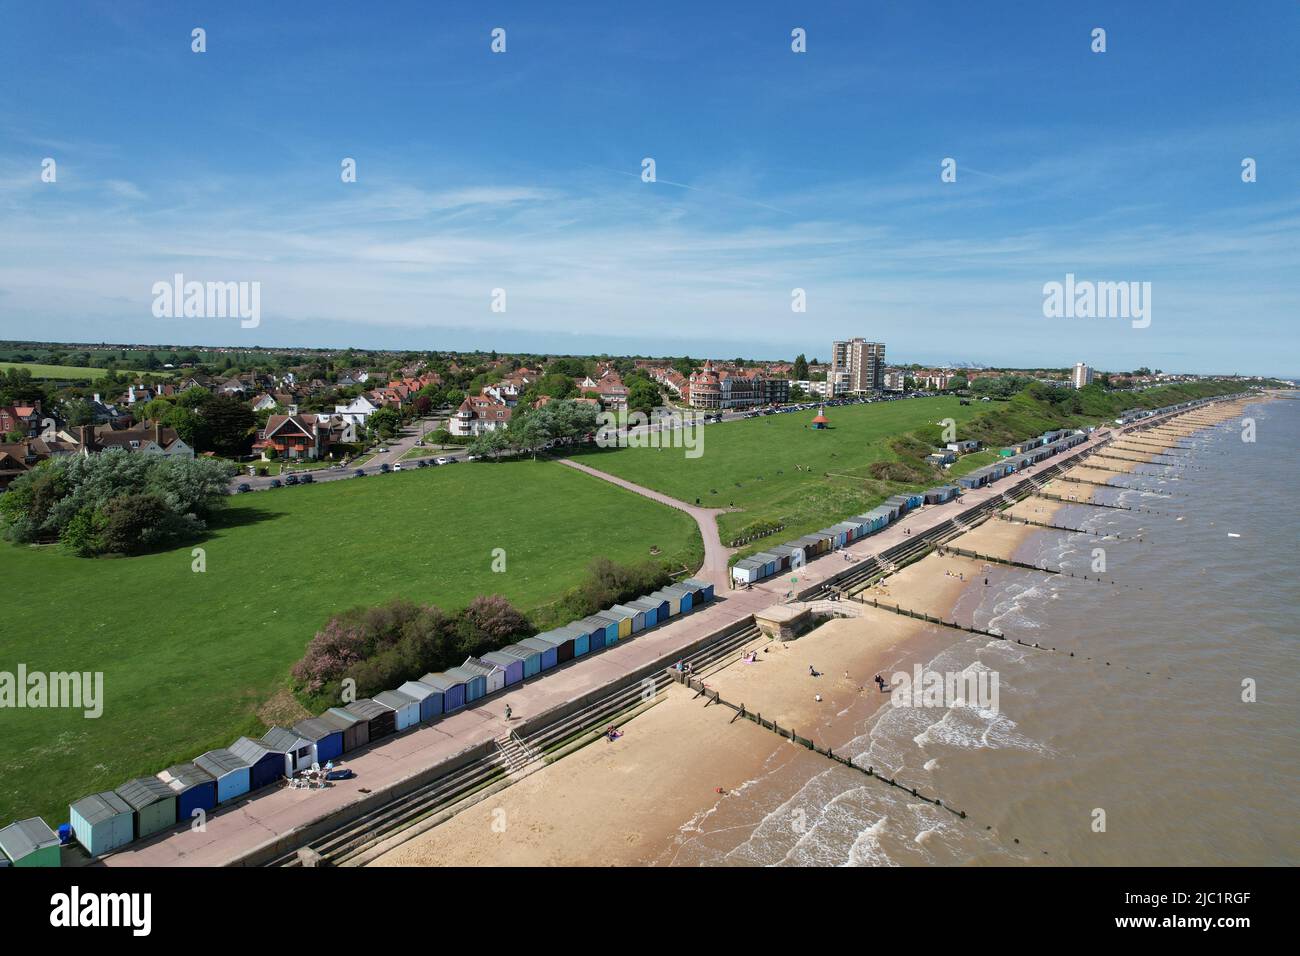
(233, 832)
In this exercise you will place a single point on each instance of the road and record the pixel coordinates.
(399, 446)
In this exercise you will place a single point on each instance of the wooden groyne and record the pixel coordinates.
(1008, 562)
(1143, 461)
(1003, 516)
(1096, 504)
(1102, 484)
(713, 697)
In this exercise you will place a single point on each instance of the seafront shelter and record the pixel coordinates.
(356, 732)
(299, 752)
(406, 709)
(229, 771)
(30, 842)
(380, 720)
(153, 805)
(265, 765)
(195, 789)
(453, 691)
(475, 684)
(326, 739)
(102, 822)
(511, 667)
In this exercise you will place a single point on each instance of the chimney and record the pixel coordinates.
(157, 434)
(86, 435)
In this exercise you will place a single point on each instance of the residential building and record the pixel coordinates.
(478, 414)
(1082, 375)
(857, 366)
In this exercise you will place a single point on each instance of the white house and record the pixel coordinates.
(357, 411)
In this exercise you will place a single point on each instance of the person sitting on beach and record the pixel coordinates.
(812, 671)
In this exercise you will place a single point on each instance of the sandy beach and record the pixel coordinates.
(676, 782)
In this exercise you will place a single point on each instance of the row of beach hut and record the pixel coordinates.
(795, 554)
(109, 820)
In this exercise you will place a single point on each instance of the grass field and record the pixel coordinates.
(751, 464)
(190, 659)
(67, 372)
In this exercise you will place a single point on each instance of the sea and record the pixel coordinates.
(1162, 730)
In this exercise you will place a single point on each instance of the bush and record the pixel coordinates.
(381, 647)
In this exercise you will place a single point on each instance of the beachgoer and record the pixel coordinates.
(508, 711)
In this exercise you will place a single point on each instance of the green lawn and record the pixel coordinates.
(968, 463)
(751, 464)
(69, 372)
(189, 659)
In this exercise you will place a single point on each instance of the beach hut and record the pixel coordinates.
(511, 667)
(229, 771)
(581, 637)
(195, 789)
(636, 614)
(356, 732)
(549, 655)
(453, 691)
(531, 658)
(561, 639)
(406, 709)
(782, 553)
(747, 571)
(703, 590)
(685, 596)
(604, 630)
(30, 842)
(937, 496)
(651, 609)
(662, 607)
(102, 822)
(475, 684)
(625, 619)
(674, 601)
(429, 698)
(326, 738)
(153, 804)
(493, 674)
(381, 720)
(299, 752)
(265, 764)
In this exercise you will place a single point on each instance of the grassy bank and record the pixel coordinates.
(190, 660)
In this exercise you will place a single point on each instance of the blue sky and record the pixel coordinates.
(775, 170)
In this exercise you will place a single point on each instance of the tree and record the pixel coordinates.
(384, 422)
(78, 412)
(490, 443)
(800, 371)
(957, 382)
(643, 396)
(225, 426)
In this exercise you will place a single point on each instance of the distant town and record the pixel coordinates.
(290, 406)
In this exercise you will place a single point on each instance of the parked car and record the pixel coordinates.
(383, 449)
(384, 468)
(243, 487)
(307, 479)
(422, 463)
(442, 461)
(276, 483)
(473, 457)
(360, 473)
(397, 466)
(290, 479)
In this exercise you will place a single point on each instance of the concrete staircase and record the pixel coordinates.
(514, 752)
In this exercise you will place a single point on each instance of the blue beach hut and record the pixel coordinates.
(230, 771)
(550, 656)
(513, 666)
(265, 765)
(453, 691)
(102, 822)
(429, 698)
(475, 684)
(324, 736)
(195, 789)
